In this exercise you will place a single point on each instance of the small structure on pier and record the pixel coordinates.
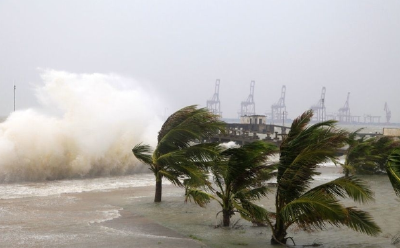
(253, 119)
(251, 128)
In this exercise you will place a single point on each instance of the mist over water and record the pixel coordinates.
(86, 127)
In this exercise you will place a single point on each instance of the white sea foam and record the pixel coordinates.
(107, 215)
(21, 190)
(86, 127)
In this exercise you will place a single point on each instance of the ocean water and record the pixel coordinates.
(75, 213)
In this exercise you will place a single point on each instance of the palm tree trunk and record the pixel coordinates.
(279, 230)
(158, 194)
(226, 218)
(279, 236)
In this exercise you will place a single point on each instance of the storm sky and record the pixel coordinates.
(179, 48)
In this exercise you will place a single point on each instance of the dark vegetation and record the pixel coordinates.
(236, 177)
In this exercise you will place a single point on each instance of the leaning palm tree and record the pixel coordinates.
(311, 209)
(393, 170)
(382, 147)
(357, 153)
(239, 177)
(367, 155)
(180, 151)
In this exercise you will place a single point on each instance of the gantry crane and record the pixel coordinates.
(344, 112)
(214, 105)
(388, 113)
(319, 108)
(248, 107)
(278, 110)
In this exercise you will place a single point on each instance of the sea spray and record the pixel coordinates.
(86, 127)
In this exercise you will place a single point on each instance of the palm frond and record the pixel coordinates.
(204, 154)
(187, 125)
(143, 153)
(253, 193)
(171, 176)
(252, 212)
(175, 119)
(298, 126)
(199, 197)
(353, 136)
(246, 163)
(352, 187)
(361, 221)
(313, 211)
(393, 170)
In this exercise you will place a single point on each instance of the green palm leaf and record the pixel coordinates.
(312, 211)
(361, 221)
(143, 153)
(199, 197)
(346, 187)
(393, 170)
(251, 212)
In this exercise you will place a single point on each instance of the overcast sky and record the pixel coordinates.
(179, 49)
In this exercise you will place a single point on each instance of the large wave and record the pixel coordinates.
(86, 127)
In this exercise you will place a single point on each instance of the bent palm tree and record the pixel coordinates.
(301, 152)
(367, 156)
(382, 148)
(176, 154)
(239, 177)
(356, 153)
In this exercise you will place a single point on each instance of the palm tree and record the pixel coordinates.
(357, 153)
(311, 209)
(239, 177)
(393, 170)
(382, 148)
(367, 156)
(180, 151)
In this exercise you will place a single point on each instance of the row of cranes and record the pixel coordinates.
(279, 114)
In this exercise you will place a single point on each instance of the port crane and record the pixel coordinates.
(344, 112)
(319, 108)
(214, 105)
(278, 110)
(248, 107)
(388, 113)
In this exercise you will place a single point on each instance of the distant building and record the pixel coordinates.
(253, 119)
(391, 132)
